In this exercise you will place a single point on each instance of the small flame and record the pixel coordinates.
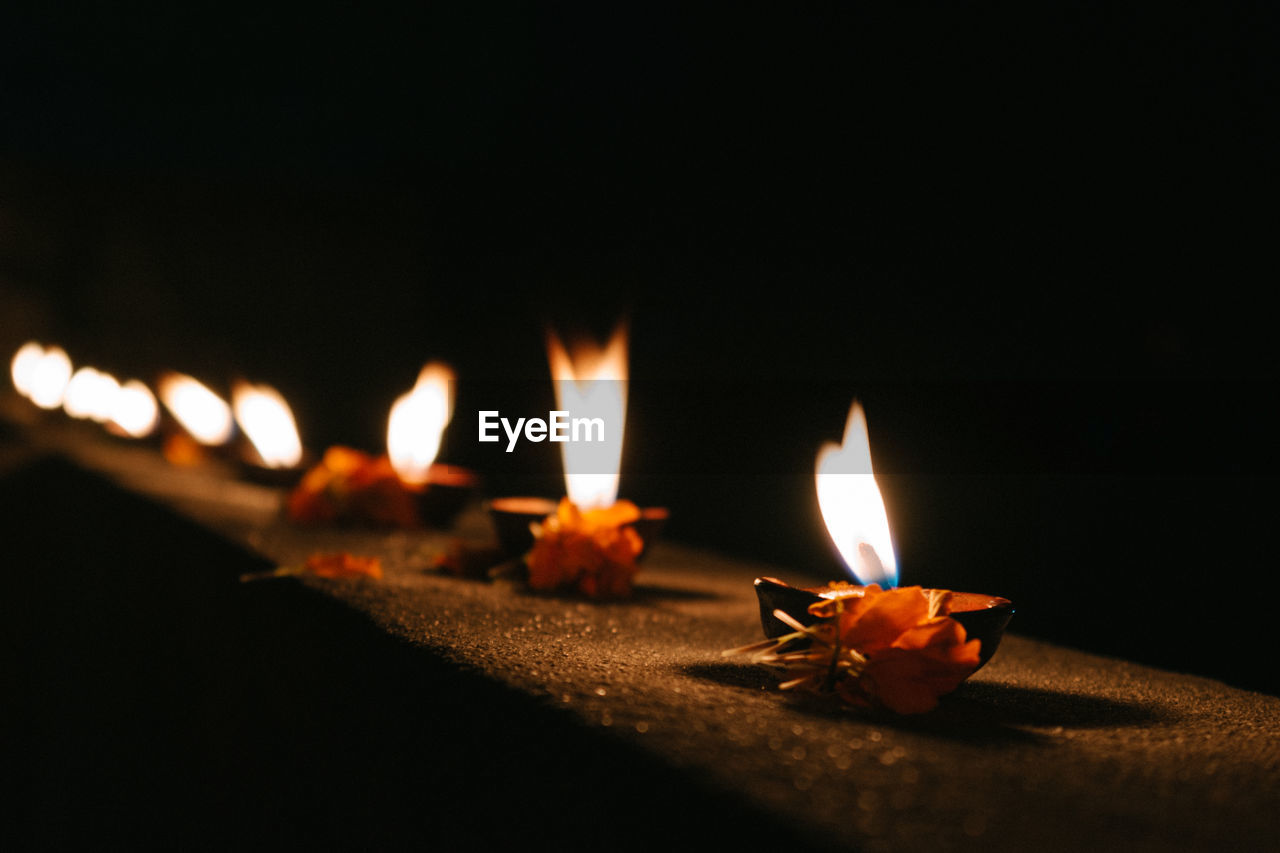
(266, 418)
(23, 367)
(135, 411)
(417, 423)
(200, 411)
(91, 394)
(852, 506)
(591, 383)
(41, 375)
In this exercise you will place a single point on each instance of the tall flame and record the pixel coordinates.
(268, 422)
(852, 506)
(135, 412)
(40, 374)
(200, 411)
(417, 423)
(591, 383)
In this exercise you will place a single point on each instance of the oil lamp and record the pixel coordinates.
(271, 452)
(91, 395)
(405, 487)
(415, 430)
(127, 409)
(41, 374)
(591, 384)
(203, 419)
(853, 510)
(134, 412)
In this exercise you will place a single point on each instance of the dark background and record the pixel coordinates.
(1035, 242)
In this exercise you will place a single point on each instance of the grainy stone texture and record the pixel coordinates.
(1044, 749)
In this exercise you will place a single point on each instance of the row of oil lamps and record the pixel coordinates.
(130, 409)
(586, 378)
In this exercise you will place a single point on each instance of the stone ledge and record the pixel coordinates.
(425, 706)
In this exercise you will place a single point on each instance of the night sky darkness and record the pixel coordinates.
(1034, 242)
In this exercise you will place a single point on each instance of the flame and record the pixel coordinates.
(91, 394)
(591, 383)
(266, 418)
(135, 411)
(200, 411)
(24, 365)
(417, 423)
(41, 375)
(852, 506)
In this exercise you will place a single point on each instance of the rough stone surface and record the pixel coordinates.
(1046, 748)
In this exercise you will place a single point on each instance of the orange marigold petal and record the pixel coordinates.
(348, 485)
(586, 551)
(343, 565)
(568, 514)
(941, 635)
(898, 679)
(877, 619)
(544, 562)
(622, 512)
(925, 663)
(344, 460)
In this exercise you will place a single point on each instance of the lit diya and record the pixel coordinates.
(271, 452)
(404, 488)
(588, 541)
(873, 644)
(127, 409)
(201, 422)
(45, 377)
(41, 374)
(135, 414)
(90, 395)
(512, 518)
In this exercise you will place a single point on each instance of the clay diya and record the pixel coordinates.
(984, 617)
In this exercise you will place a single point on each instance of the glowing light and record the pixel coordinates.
(23, 367)
(46, 378)
(591, 383)
(91, 394)
(135, 412)
(202, 413)
(852, 506)
(417, 421)
(266, 418)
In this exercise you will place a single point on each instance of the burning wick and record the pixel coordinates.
(852, 506)
(590, 542)
(135, 411)
(202, 413)
(899, 648)
(23, 366)
(591, 382)
(44, 376)
(416, 424)
(91, 394)
(266, 419)
(41, 375)
(406, 487)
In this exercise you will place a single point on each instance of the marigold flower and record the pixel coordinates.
(350, 486)
(339, 565)
(344, 565)
(593, 551)
(896, 649)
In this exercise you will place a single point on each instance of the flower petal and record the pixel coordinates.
(877, 619)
